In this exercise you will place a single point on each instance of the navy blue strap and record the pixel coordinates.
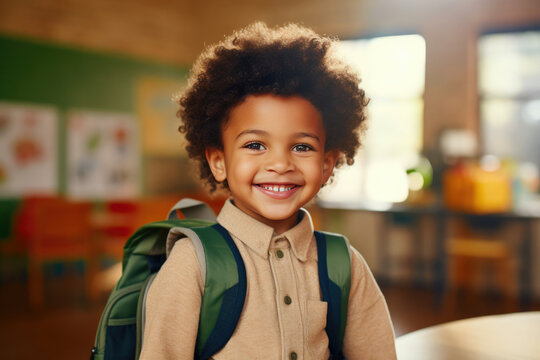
(155, 262)
(234, 298)
(331, 294)
(232, 305)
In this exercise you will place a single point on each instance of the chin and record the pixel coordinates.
(279, 215)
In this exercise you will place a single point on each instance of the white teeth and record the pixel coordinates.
(277, 188)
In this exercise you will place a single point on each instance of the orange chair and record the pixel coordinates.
(58, 230)
(153, 209)
(118, 222)
(469, 251)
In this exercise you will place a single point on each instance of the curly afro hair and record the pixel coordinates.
(286, 61)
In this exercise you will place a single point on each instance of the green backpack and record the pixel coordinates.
(120, 330)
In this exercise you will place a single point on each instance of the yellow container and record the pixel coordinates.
(470, 188)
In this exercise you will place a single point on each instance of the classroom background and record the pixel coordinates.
(443, 200)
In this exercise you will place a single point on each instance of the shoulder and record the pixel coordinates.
(363, 284)
(359, 267)
(362, 279)
(181, 248)
(182, 264)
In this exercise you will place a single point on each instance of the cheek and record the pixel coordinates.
(313, 172)
(244, 169)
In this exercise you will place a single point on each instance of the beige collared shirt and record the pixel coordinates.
(270, 327)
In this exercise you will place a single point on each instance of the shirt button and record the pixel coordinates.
(279, 254)
(293, 356)
(287, 299)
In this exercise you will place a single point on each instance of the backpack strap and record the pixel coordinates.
(225, 286)
(334, 265)
(192, 209)
(144, 253)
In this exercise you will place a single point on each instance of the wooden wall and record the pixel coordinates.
(175, 31)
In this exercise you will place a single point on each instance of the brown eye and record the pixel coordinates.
(302, 147)
(254, 146)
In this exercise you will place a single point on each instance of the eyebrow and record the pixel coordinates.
(262, 133)
(309, 135)
(252, 131)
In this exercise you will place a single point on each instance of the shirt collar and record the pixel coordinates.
(259, 236)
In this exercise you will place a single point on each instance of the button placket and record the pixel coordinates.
(291, 327)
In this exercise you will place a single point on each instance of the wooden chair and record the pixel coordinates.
(470, 251)
(152, 209)
(59, 231)
(117, 222)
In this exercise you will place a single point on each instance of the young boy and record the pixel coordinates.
(268, 114)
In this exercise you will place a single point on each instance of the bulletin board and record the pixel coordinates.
(28, 149)
(108, 87)
(103, 155)
(157, 108)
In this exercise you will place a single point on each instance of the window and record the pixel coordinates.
(509, 89)
(392, 69)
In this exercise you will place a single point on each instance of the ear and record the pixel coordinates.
(330, 159)
(216, 161)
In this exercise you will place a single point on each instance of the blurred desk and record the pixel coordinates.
(436, 211)
(510, 336)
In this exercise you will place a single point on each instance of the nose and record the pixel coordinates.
(279, 161)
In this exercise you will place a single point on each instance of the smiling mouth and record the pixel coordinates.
(277, 188)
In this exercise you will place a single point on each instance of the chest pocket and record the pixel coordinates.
(317, 339)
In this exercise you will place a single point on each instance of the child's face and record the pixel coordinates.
(273, 157)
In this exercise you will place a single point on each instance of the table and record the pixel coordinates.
(496, 337)
(441, 215)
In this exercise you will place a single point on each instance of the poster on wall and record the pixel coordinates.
(28, 150)
(156, 108)
(103, 155)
